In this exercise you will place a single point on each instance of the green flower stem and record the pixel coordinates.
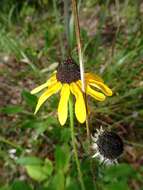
(74, 142)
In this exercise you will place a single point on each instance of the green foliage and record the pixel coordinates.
(118, 177)
(11, 109)
(36, 168)
(17, 185)
(29, 45)
(5, 188)
(58, 181)
(62, 158)
(29, 161)
(38, 172)
(30, 99)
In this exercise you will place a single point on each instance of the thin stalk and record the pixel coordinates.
(71, 111)
(6, 141)
(77, 30)
(58, 22)
(87, 123)
(80, 55)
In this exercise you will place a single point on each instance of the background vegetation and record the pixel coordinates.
(35, 151)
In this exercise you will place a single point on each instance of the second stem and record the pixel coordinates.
(74, 142)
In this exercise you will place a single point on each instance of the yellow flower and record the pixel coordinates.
(67, 79)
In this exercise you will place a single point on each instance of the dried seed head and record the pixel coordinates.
(68, 72)
(110, 145)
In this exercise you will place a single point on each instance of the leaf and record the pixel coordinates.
(37, 169)
(118, 171)
(39, 125)
(36, 172)
(65, 135)
(58, 181)
(117, 186)
(40, 172)
(11, 109)
(48, 166)
(5, 187)
(32, 124)
(52, 121)
(29, 98)
(30, 160)
(43, 126)
(62, 157)
(20, 185)
(72, 184)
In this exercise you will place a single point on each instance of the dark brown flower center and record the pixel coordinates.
(68, 72)
(110, 145)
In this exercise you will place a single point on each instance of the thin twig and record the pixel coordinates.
(77, 30)
(78, 38)
(6, 141)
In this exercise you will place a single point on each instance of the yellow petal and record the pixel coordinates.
(51, 90)
(49, 82)
(91, 76)
(103, 87)
(97, 95)
(80, 109)
(63, 104)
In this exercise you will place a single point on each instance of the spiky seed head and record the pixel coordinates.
(110, 145)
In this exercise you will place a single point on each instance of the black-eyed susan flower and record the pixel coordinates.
(67, 80)
(108, 146)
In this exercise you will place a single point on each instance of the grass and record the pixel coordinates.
(30, 49)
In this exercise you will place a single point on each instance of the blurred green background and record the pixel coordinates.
(35, 151)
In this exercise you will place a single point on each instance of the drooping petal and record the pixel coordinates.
(63, 104)
(49, 92)
(91, 76)
(49, 82)
(97, 95)
(80, 109)
(103, 87)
